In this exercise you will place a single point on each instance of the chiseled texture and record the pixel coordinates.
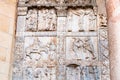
(113, 11)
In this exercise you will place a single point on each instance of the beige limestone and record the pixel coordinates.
(7, 30)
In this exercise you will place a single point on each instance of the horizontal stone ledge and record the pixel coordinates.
(65, 34)
(84, 62)
(57, 5)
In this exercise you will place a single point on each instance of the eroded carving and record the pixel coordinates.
(103, 20)
(104, 53)
(31, 20)
(47, 20)
(81, 48)
(39, 55)
(81, 20)
(82, 73)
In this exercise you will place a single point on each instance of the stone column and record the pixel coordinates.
(113, 12)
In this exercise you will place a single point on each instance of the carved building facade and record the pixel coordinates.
(61, 40)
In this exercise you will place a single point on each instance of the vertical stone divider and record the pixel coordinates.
(103, 47)
(18, 55)
(61, 24)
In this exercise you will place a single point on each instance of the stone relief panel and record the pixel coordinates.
(79, 20)
(82, 48)
(77, 72)
(31, 20)
(41, 20)
(104, 53)
(47, 20)
(40, 58)
(103, 20)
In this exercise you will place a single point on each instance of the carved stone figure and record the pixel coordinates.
(31, 20)
(46, 51)
(81, 20)
(81, 48)
(82, 73)
(103, 20)
(85, 47)
(47, 20)
(93, 22)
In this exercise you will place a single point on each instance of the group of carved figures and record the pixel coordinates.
(82, 20)
(46, 20)
(82, 73)
(61, 1)
(41, 20)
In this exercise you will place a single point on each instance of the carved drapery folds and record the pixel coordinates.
(81, 20)
(60, 40)
(31, 20)
(47, 20)
(41, 20)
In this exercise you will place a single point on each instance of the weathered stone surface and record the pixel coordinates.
(81, 20)
(61, 41)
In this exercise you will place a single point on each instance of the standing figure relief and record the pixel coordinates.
(47, 20)
(81, 20)
(41, 20)
(31, 20)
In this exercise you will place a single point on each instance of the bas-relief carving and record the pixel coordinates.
(83, 48)
(40, 58)
(104, 53)
(31, 20)
(41, 20)
(75, 72)
(47, 20)
(81, 20)
(103, 20)
(44, 59)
